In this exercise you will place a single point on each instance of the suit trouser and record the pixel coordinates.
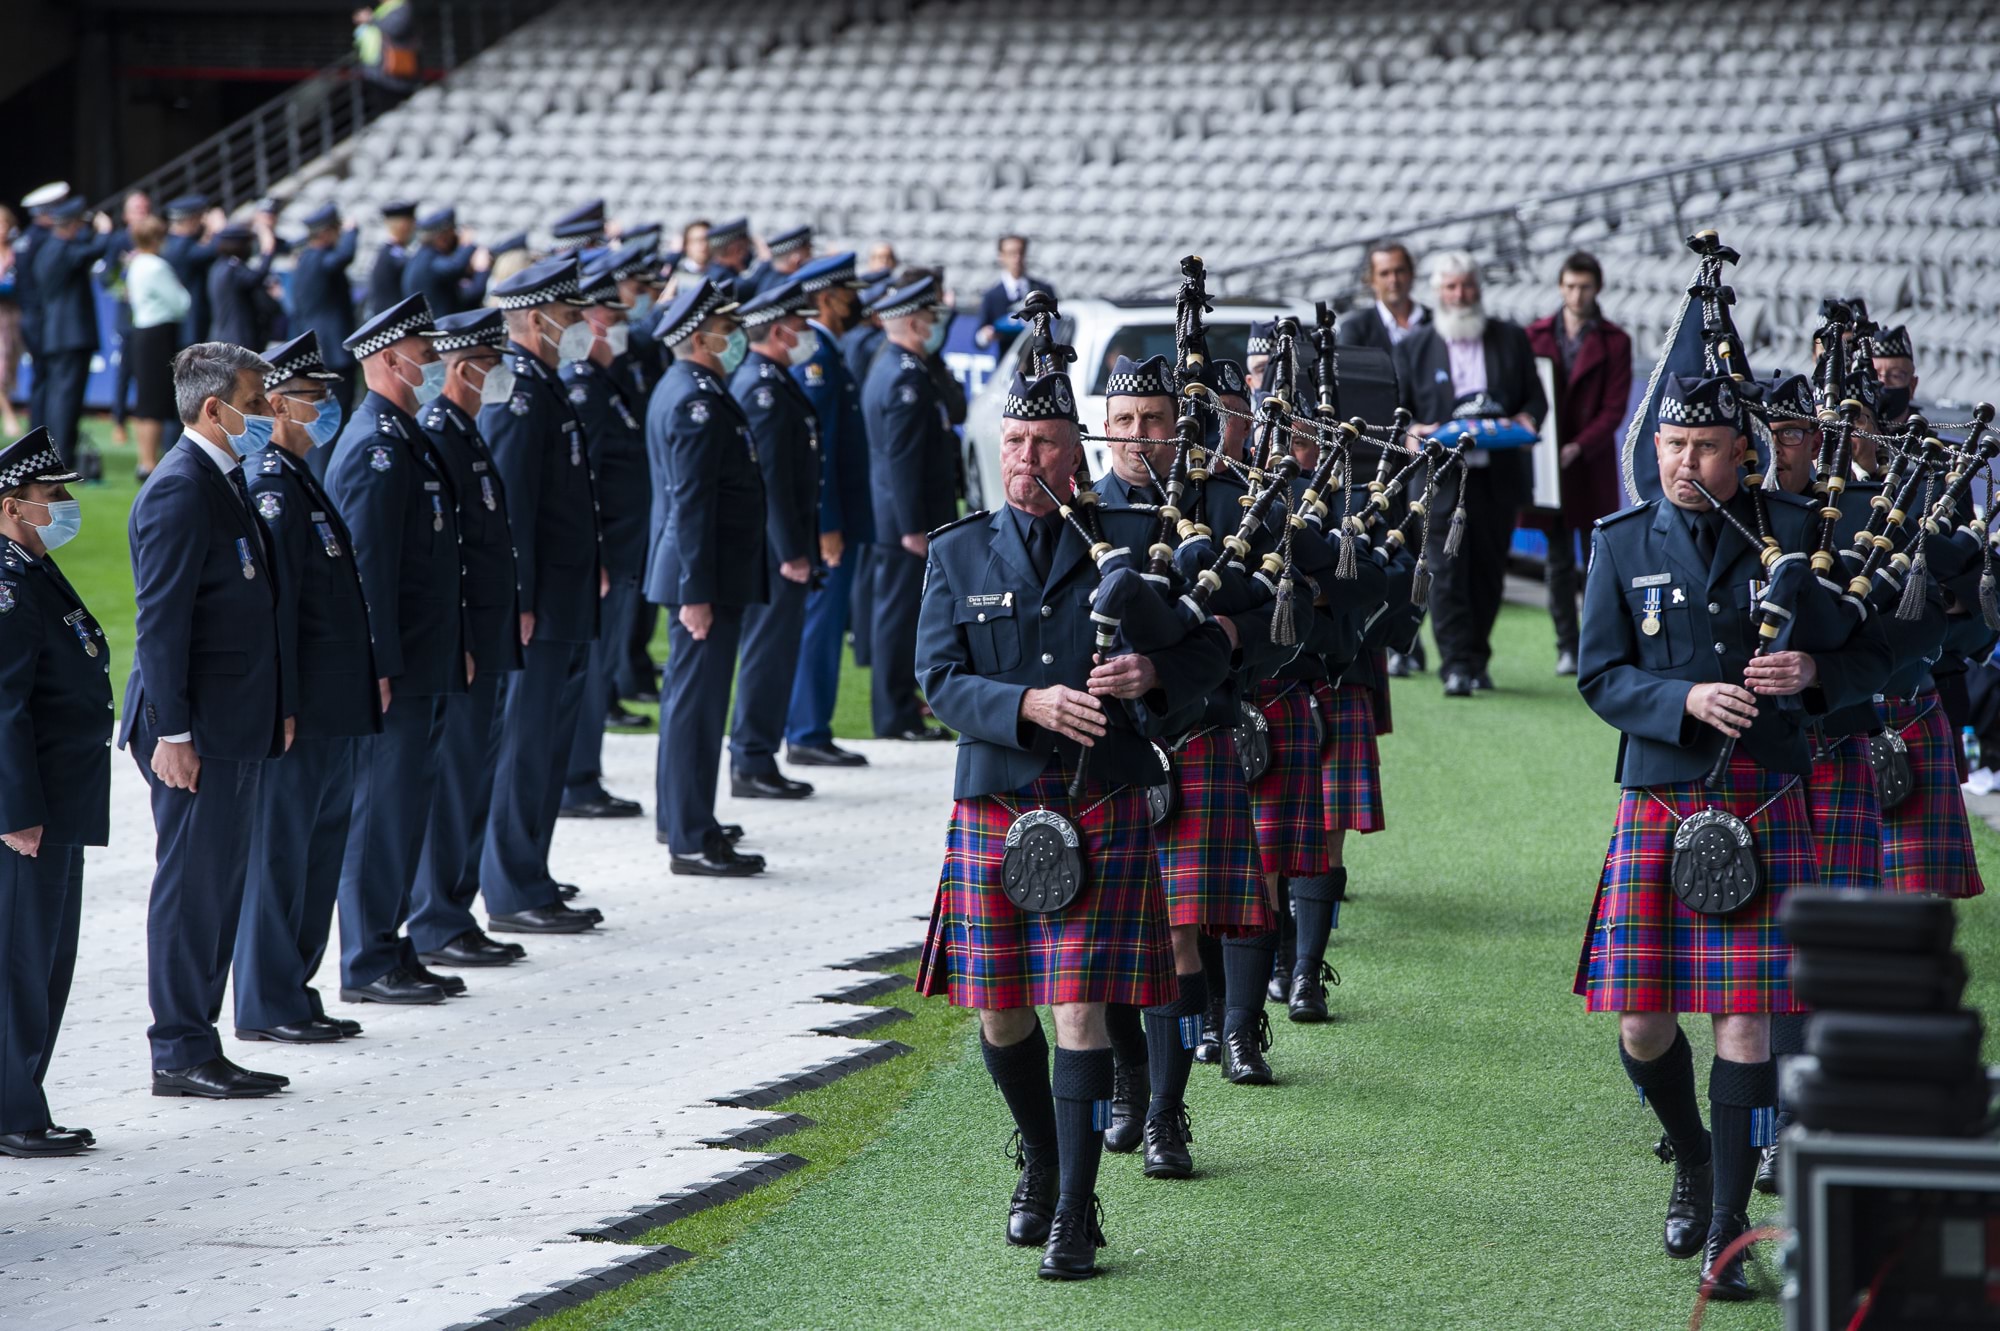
(861, 608)
(202, 854)
(1465, 598)
(899, 594)
(538, 706)
(585, 777)
(1565, 580)
(764, 678)
(448, 869)
(68, 372)
(395, 779)
(816, 687)
(38, 382)
(121, 378)
(41, 900)
(298, 836)
(692, 704)
(636, 672)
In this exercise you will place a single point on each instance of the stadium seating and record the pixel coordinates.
(1128, 133)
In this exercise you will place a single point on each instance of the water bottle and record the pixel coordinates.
(1970, 739)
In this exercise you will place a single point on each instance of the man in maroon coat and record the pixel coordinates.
(1593, 360)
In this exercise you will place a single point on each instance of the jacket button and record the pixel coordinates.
(982, 616)
(1714, 608)
(1720, 649)
(1048, 658)
(1048, 610)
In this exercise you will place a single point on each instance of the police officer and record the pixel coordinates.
(786, 433)
(913, 467)
(402, 508)
(1894, 360)
(579, 232)
(616, 439)
(189, 251)
(539, 447)
(1005, 657)
(859, 344)
(729, 254)
(208, 703)
(239, 306)
(321, 300)
(1666, 576)
(442, 926)
(787, 252)
(55, 746)
(449, 276)
(299, 824)
(636, 265)
(68, 323)
(706, 564)
(385, 279)
(846, 512)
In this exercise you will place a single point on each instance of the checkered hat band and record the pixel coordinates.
(395, 332)
(292, 367)
(787, 246)
(1137, 385)
(1257, 346)
(906, 307)
(46, 462)
(1894, 345)
(569, 244)
(635, 267)
(541, 295)
(681, 331)
(461, 341)
(758, 318)
(1033, 409)
(1673, 411)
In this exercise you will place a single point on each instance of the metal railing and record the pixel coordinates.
(1650, 210)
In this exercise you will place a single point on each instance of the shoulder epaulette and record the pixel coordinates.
(271, 465)
(434, 419)
(1643, 506)
(954, 526)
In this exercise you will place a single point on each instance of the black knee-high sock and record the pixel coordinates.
(1212, 975)
(1316, 905)
(1128, 1034)
(1285, 941)
(1667, 1083)
(1742, 1104)
(1021, 1071)
(1246, 965)
(1082, 1079)
(1171, 1032)
(1788, 1037)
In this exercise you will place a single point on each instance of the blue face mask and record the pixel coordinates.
(256, 436)
(65, 521)
(433, 383)
(322, 428)
(733, 354)
(935, 338)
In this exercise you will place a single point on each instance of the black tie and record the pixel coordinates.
(1705, 532)
(1043, 534)
(242, 490)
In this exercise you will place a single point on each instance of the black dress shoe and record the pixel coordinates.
(732, 831)
(348, 1029)
(823, 755)
(1167, 1138)
(453, 985)
(1075, 1235)
(644, 695)
(1279, 987)
(89, 1137)
(1208, 1049)
(1309, 984)
(1243, 1053)
(310, 1031)
(217, 1079)
(1566, 662)
(1033, 1204)
(554, 918)
(1726, 1282)
(1767, 1170)
(767, 786)
(61, 1141)
(1399, 666)
(568, 891)
(1131, 1089)
(1688, 1209)
(1457, 684)
(921, 734)
(617, 718)
(271, 1077)
(1482, 682)
(717, 860)
(473, 948)
(398, 987)
(600, 805)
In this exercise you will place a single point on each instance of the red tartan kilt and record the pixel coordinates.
(1350, 762)
(1846, 815)
(1646, 952)
(1208, 855)
(1285, 801)
(1110, 945)
(1926, 842)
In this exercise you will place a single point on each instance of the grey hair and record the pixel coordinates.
(209, 369)
(1453, 263)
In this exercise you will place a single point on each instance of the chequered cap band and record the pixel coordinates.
(1136, 385)
(790, 244)
(495, 337)
(45, 465)
(693, 319)
(1257, 346)
(416, 321)
(642, 266)
(916, 306)
(1673, 411)
(545, 294)
(295, 367)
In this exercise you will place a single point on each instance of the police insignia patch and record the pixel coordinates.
(698, 412)
(378, 458)
(815, 372)
(6, 597)
(269, 505)
(764, 398)
(518, 404)
(579, 394)
(907, 394)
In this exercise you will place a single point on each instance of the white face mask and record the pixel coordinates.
(498, 386)
(575, 343)
(618, 337)
(807, 348)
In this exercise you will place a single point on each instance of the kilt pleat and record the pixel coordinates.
(1926, 842)
(1286, 801)
(1110, 945)
(1208, 851)
(1350, 762)
(1646, 952)
(1846, 815)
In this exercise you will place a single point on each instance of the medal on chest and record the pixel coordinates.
(1042, 870)
(437, 512)
(243, 557)
(86, 632)
(486, 493)
(327, 540)
(1650, 625)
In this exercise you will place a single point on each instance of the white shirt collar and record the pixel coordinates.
(225, 461)
(1389, 319)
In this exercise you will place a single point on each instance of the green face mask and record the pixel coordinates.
(733, 354)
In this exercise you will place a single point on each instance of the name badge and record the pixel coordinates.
(1653, 580)
(76, 620)
(1650, 625)
(243, 557)
(989, 598)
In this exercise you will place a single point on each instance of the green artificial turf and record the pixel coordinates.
(1459, 1149)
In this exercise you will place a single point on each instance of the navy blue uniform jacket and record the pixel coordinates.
(445, 281)
(616, 439)
(55, 706)
(400, 506)
(239, 309)
(708, 542)
(323, 636)
(912, 452)
(486, 541)
(322, 299)
(846, 503)
(787, 434)
(190, 259)
(385, 279)
(537, 442)
(62, 286)
(206, 659)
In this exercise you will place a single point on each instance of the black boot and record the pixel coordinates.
(1167, 1138)
(1767, 1170)
(1243, 1050)
(1129, 1094)
(1209, 1048)
(1034, 1201)
(1689, 1208)
(1309, 991)
(1726, 1282)
(1074, 1238)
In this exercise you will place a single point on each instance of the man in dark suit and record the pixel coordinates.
(997, 325)
(301, 818)
(1464, 363)
(322, 300)
(1593, 360)
(69, 317)
(206, 706)
(1390, 273)
(385, 279)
